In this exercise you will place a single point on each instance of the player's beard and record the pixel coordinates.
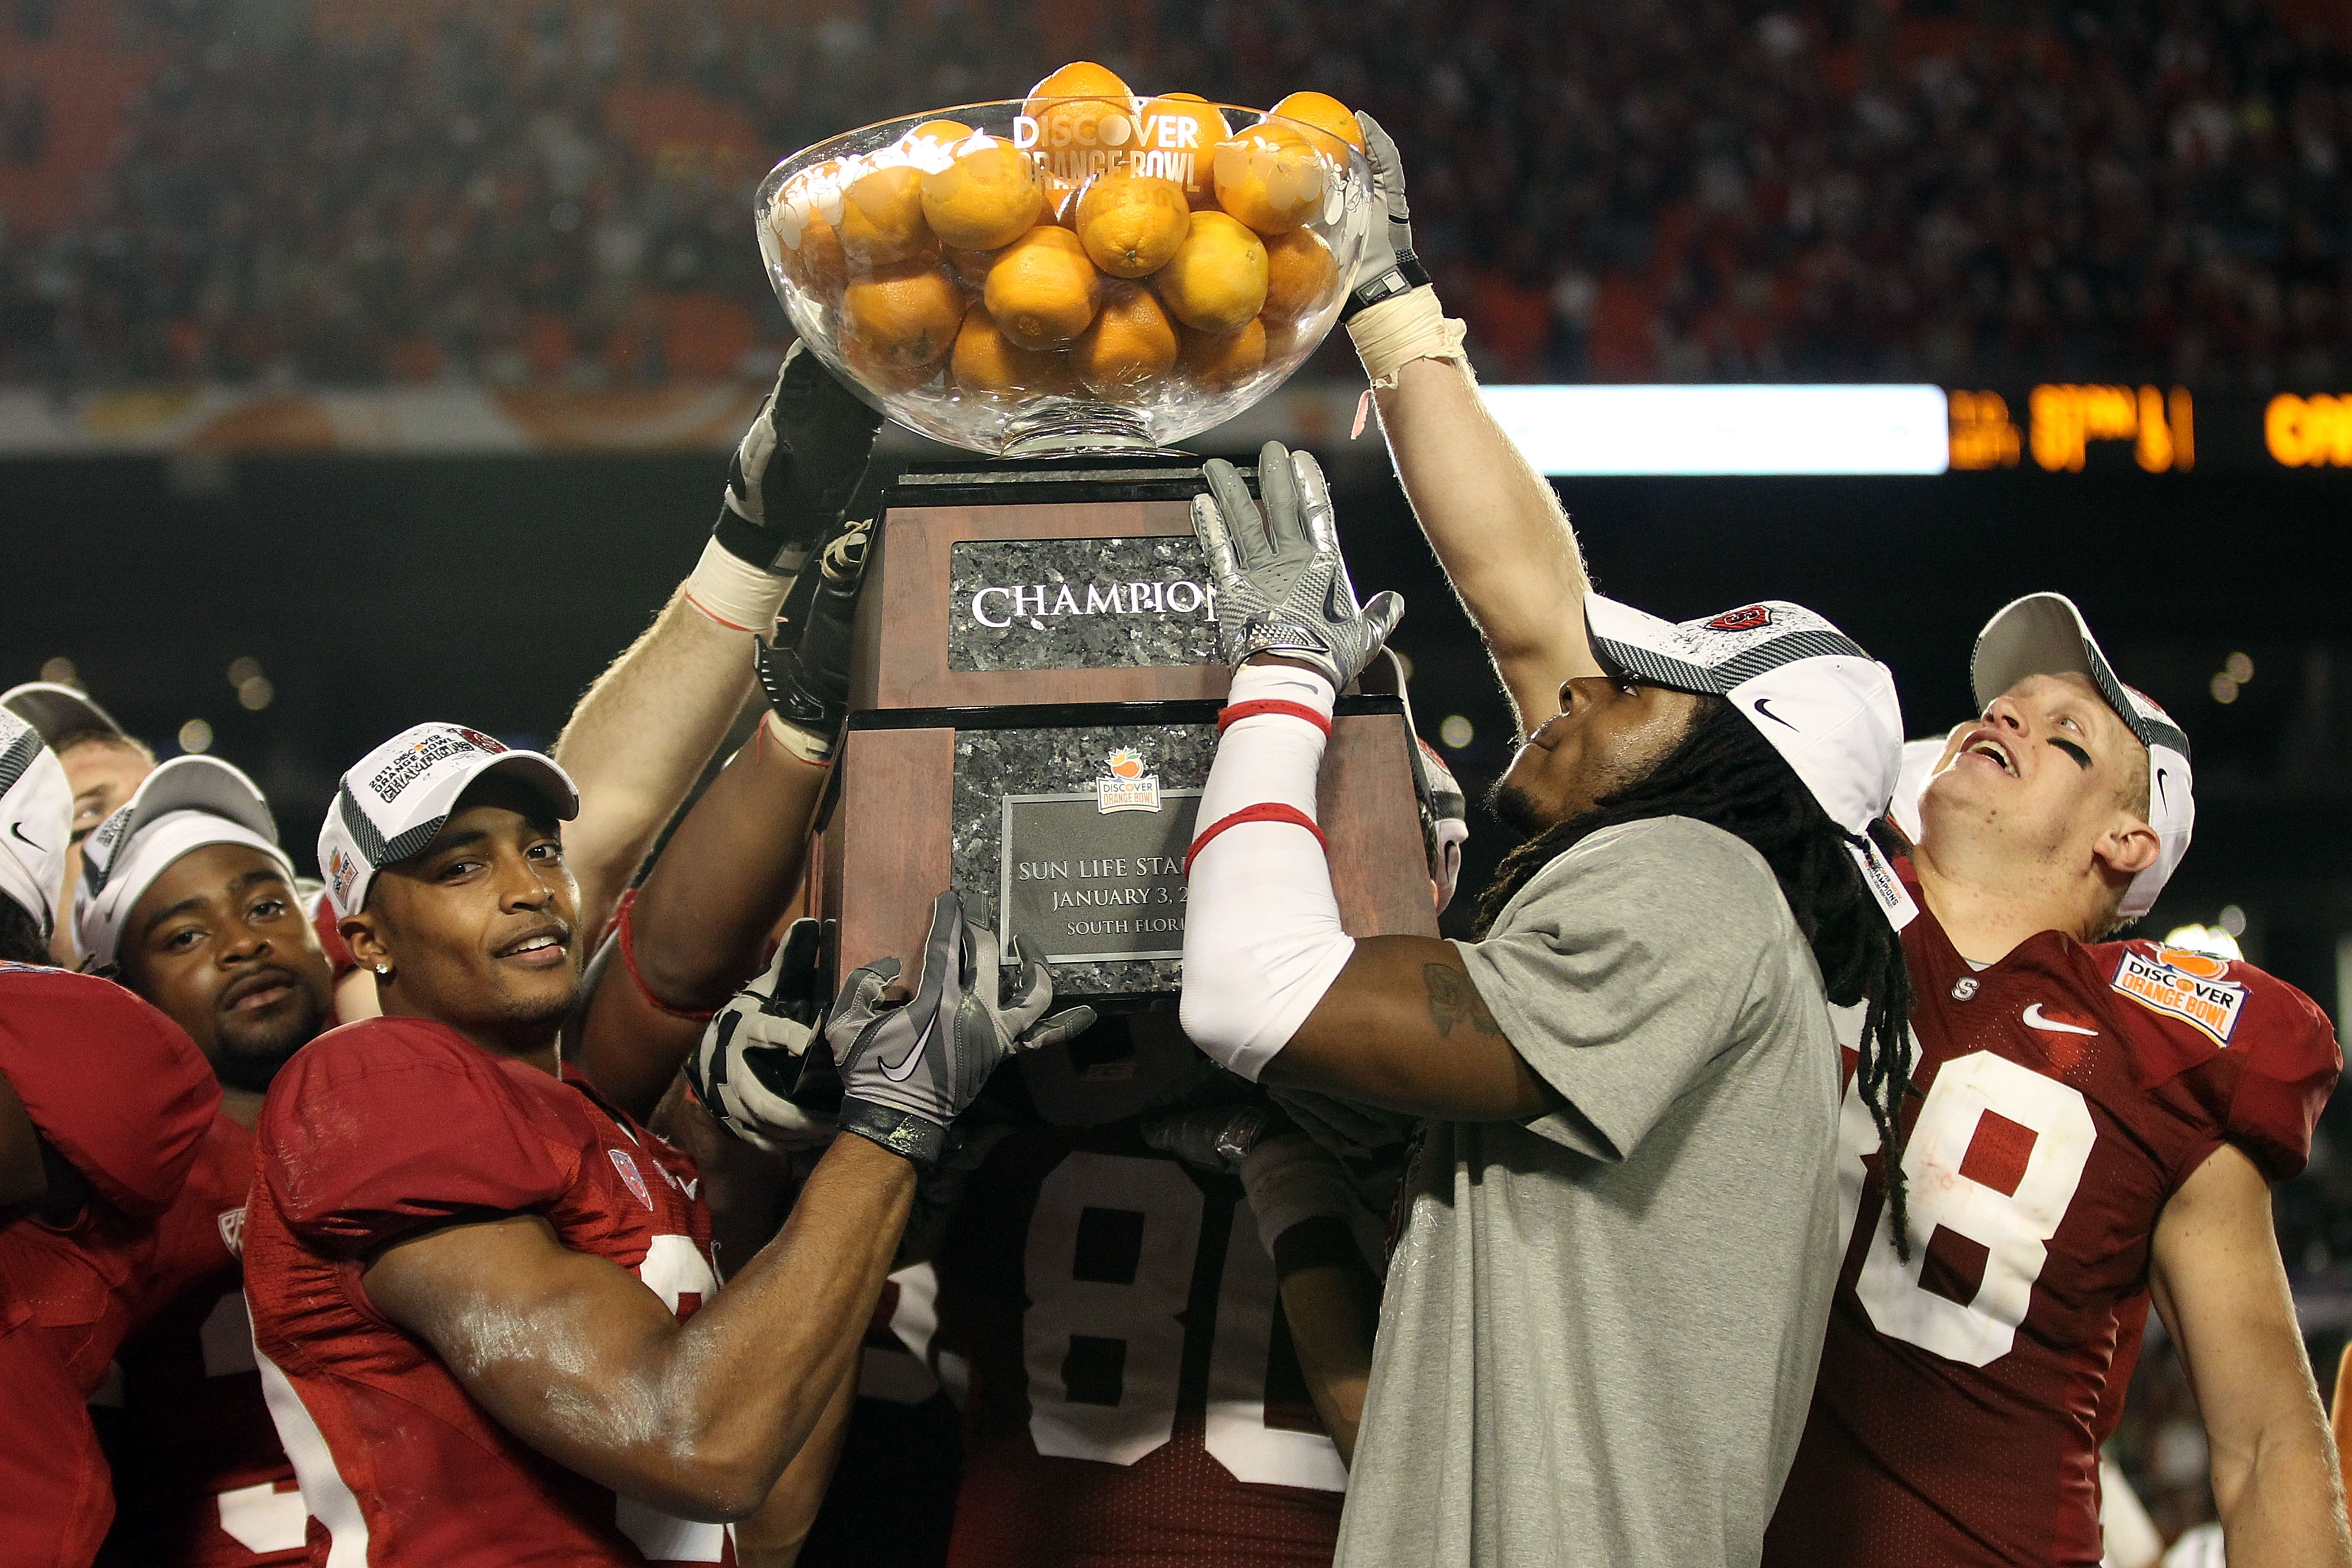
(1516, 809)
(248, 1055)
(526, 1013)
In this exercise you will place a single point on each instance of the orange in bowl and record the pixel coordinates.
(1130, 346)
(1131, 224)
(1189, 126)
(905, 315)
(1334, 128)
(987, 197)
(882, 217)
(1217, 279)
(1216, 361)
(1271, 177)
(1300, 275)
(1043, 291)
(988, 362)
(1082, 105)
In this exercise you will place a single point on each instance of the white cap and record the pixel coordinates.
(183, 806)
(2044, 634)
(1825, 705)
(36, 820)
(393, 800)
(55, 709)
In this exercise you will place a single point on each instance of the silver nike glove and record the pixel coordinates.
(1282, 586)
(1387, 265)
(910, 1067)
(753, 1069)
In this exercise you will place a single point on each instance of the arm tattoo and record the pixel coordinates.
(1454, 1000)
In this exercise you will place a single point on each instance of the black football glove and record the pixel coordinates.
(808, 683)
(796, 467)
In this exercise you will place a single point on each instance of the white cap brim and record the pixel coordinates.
(36, 821)
(57, 711)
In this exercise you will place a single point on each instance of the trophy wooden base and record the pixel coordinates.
(1034, 713)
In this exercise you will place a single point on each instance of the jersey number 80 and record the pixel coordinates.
(1088, 1341)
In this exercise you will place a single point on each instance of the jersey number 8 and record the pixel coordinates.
(1995, 1156)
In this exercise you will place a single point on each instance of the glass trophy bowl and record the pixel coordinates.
(1056, 276)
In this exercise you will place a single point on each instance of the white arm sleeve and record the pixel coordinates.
(1262, 935)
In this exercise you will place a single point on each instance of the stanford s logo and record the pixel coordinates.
(1755, 618)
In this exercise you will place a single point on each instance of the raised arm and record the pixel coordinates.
(2217, 1283)
(1279, 988)
(583, 1363)
(700, 925)
(647, 728)
(1496, 524)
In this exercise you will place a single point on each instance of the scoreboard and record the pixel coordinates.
(2056, 428)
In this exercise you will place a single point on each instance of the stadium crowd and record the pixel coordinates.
(555, 193)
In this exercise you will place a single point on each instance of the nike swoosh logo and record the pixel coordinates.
(2034, 1020)
(1759, 707)
(17, 828)
(904, 1067)
(2161, 794)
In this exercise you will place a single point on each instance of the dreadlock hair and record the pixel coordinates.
(1727, 774)
(20, 935)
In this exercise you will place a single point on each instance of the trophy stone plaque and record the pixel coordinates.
(1033, 714)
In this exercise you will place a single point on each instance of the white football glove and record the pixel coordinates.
(754, 1070)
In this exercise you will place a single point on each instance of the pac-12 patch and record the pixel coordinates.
(2190, 986)
(630, 1177)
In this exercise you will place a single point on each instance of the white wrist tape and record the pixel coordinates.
(1263, 940)
(1289, 1180)
(1394, 332)
(734, 593)
(806, 745)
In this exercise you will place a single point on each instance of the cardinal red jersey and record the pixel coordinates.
(122, 1094)
(2065, 1092)
(373, 1132)
(200, 1478)
(1134, 1398)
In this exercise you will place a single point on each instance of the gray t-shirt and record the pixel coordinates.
(1601, 1328)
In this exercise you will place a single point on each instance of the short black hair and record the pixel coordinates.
(1724, 773)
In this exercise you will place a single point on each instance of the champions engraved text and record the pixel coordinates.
(1034, 601)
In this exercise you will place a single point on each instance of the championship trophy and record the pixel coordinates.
(1068, 287)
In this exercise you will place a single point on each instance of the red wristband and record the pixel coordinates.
(1267, 811)
(1251, 710)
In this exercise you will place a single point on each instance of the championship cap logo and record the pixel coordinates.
(1755, 618)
